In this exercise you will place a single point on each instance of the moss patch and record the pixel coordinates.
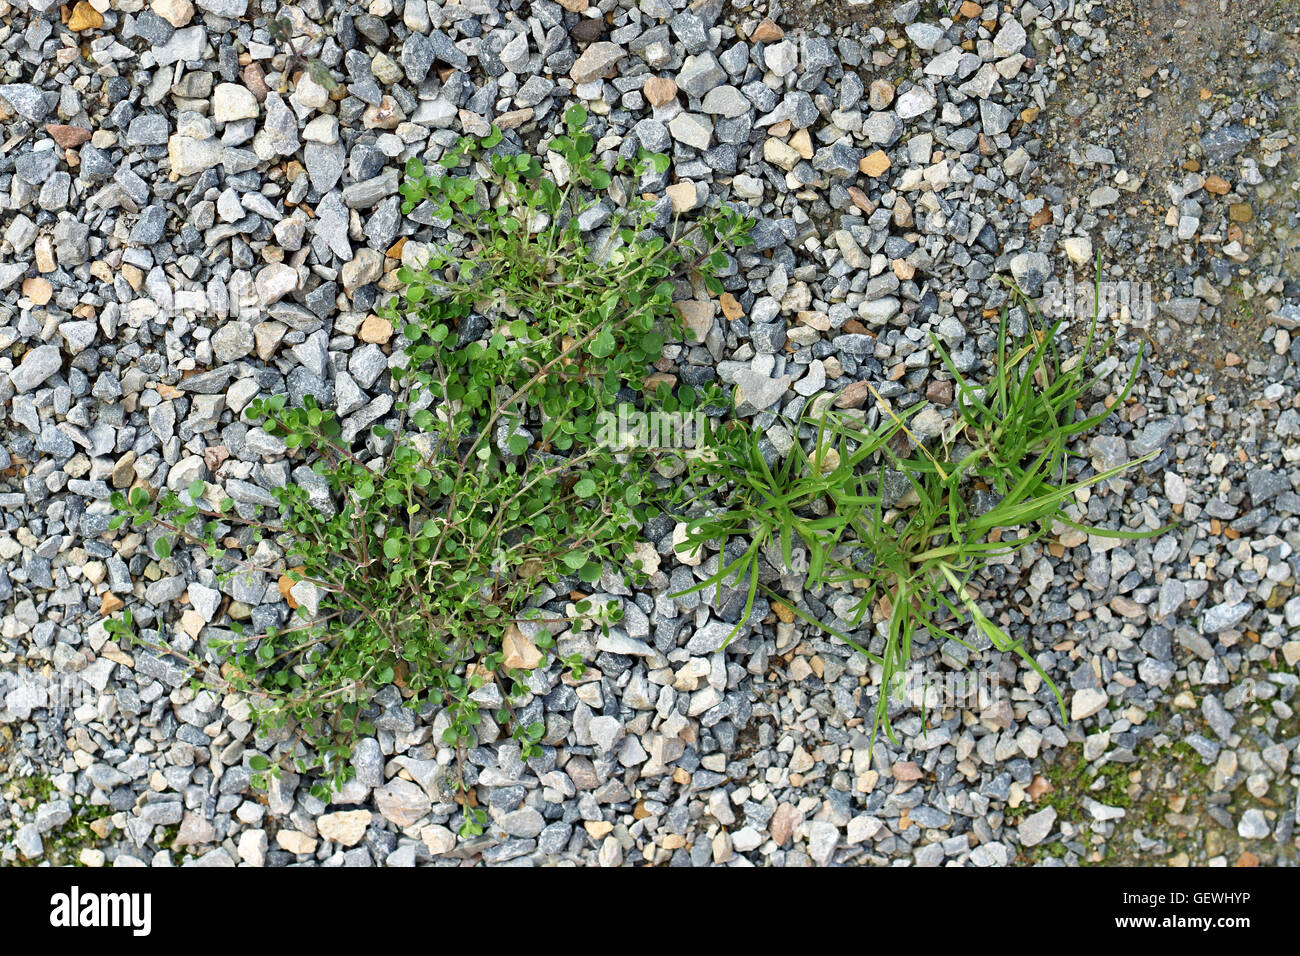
(63, 845)
(1167, 794)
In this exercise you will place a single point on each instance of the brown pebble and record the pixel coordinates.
(875, 164)
(939, 393)
(861, 200)
(683, 196)
(514, 118)
(802, 143)
(85, 17)
(854, 395)
(731, 307)
(123, 474)
(659, 90)
(1217, 184)
(285, 584)
(881, 94)
(214, 456)
(767, 32)
(906, 770)
(38, 290)
(588, 31)
(43, 254)
(255, 80)
(69, 137)
(781, 826)
(903, 217)
(376, 330)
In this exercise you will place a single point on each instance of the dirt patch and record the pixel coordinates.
(809, 15)
(1168, 807)
(1181, 37)
(1172, 70)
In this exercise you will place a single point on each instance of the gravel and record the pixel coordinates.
(185, 228)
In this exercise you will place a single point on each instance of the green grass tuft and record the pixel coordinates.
(914, 561)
